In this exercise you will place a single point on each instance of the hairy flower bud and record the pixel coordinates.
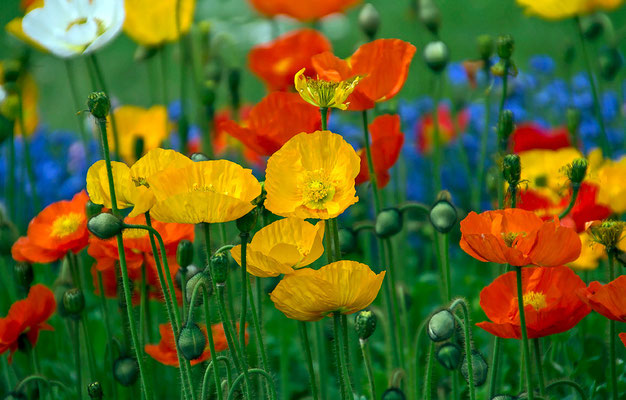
(449, 356)
(184, 253)
(505, 127)
(94, 390)
(388, 222)
(126, 370)
(436, 55)
(512, 169)
(369, 20)
(479, 369)
(98, 104)
(577, 171)
(505, 46)
(441, 326)
(591, 26)
(191, 341)
(24, 274)
(74, 302)
(105, 226)
(199, 280)
(443, 214)
(365, 324)
(220, 268)
(608, 233)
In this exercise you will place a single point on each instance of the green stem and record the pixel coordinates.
(256, 322)
(35, 365)
(324, 114)
(480, 174)
(77, 107)
(567, 382)
(243, 375)
(30, 172)
(368, 367)
(244, 299)
(320, 345)
(345, 344)
(501, 150)
(107, 327)
(88, 348)
(612, 337)
(539, 364)
(11, 168)
(428, 386)
(468, 344)
(445, 260)
(213, 366)
(164, 80)
(79, 377)
(572, 201)
(143, 303)
(103, 85)
(604, 141)
(207, 318)
(525, 347)
(370, 164)
(438, 151)
(304, 338)
(339, 357)
(493, 371)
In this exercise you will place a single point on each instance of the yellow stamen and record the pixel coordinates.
(509, 238)
(66, 224)
(317, 189)
(535, 299)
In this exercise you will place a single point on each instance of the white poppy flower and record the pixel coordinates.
(73, 27)
(3, 94)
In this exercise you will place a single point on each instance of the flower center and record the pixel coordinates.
(535, 299)
(317, 190)
(66, 224)
(509, 237)
(141, 181)
(207, 188)
(78, 21)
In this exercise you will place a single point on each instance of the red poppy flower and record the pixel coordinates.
(27, 317)
(531, 136)
(622, 337)
(302, 10)
(449, 128)
(518, 237)
(276, 62)
(387, 140)
(550, 303)
(585, 208)
(57, 229)
(273, 121)
(383, 65)
(608, 300)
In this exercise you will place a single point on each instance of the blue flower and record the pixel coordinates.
(542, 64)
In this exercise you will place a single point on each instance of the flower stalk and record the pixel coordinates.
(530, 390)
(304, 338)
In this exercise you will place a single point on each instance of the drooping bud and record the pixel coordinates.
(608, 233)
(577, 171)
(74, 302)
(505, 127)
(181, 277)
(388, 222)
(393, 394)
(347, 240)
(199, 280)
(512, 169)
(220, 268)
(449, 356)
(436, 55)
(126, 370)
(99, 105)
(365, 324)
(191, 341)
(479, 368)
(369, 20)
(485, 46)
(610, 61)
(247, 223)
(105, 226)
(197, 157)
(92, 209)
(184, 253)
(505, 45)
(24, 274)
(441, 326)
(443, 214)
(94, 390)
(430, 15)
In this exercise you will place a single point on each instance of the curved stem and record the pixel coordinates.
(42, 379)
(493, 371)
(567, 382)
(368, 367)
(304, 338)
(243, 376)
(572, 201)
(213, 366)
(525, 347)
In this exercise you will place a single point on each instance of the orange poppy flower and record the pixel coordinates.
(273, 121)
(550, 303)
(449, 128)
(57, 229)
(276, 62)
(27, 317)
(622, 337)
(302, 10)
(165, 351)
(383, 65)
(387, 140)
(608, 300)
(518, 237)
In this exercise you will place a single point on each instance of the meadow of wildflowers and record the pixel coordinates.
(298, 205)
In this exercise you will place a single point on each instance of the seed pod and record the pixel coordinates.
(441, 326)
(505, 44)
(512, 169)
(485, 46)
(443, 214)
(191, 341)
(388, 223)
(201, 278)
(449, 356)
(99, 104)
(220, 268)
(126, 370)
(105, 226)
(506, 125)
(436, 55)
(74, 302)
(369, 20)
(365, 324)
(479, 366)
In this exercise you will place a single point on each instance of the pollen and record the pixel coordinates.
(317, 190)
(141, 181)
(535, 299)
(509, 238)
(66, 224)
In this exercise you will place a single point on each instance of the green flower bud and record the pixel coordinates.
(443, 214)
(8, 235)
(591, 26)
(611, 62)
(430, 15)
(347, 240)
(92, 209)
(505, 126)
(181, 276)
(388, 222)
(436, 55)
(505, 46)
(441, 326)
(184, 253)
(577, 170)
(369, 20)
(144, 53)
(99, 105)
(512, 169)
(198, 280)
(105, 226)
(485, 46)
(479, 368)
(365, 324)
(247, 223)
(126, 370)
(197, 157)
(393, 394)
(74, 302)
(11, 70)
(191, 341)
(24, 274)
(449, 356)
(213, 71)
(94, 390)
(234, 83)
(220, 268)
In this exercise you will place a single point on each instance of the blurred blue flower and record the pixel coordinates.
(542, 64)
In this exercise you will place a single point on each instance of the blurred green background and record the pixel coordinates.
(235, 23)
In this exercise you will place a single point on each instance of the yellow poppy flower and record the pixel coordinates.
(343, 286)
(312, 176)
(324, 94)
(136, 123)
(609, 176)
(152, 23)
(590, 254)
(131, 184)
(206, 191)
(559, 9)
(282, 246)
